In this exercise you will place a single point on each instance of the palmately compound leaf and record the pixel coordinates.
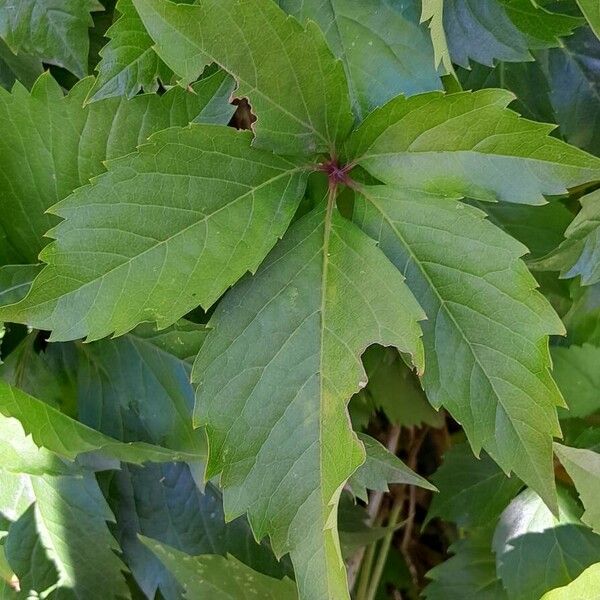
(166, 229)
(381, 468)
(579, 254)
(472, 492)
(54, 30)
(384, 50)
(69, 438)
(51, 144)
(219, 577)
(578, 377)
(486, 333)
(585, 587)
(467, 144)
(295, 86)
(275, 413)
(129, 62)
(583, 467)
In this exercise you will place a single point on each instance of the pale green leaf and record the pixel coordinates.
(585, 587)
(128, 62)
(467, 144)
(384, 50)
(16, 494)
(433, 11)
(577, 373)
(472, 492)
(68, 438)
(579, 254)
(486, 334)
(583, 466)
(276, 417)
(381, 468)
(219, 577)
(51, 145)
(591, 11)
(55, 31)
(157, 235)
(295, 86)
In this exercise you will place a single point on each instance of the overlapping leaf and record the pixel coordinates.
(294, 84)
(275, 413)
(51, 145)
(167, 229)
(219, 577)
(486, 334)
(54, 30)
(384, 50)
(585, 587)
(467, 144)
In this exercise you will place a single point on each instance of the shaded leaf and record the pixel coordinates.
(384, 50)
(218, 577)
(381, 468)
(295, 86)
(23, 68)
(486, 334)
(15, 281)
(472, 492)
(324, 294)
(55, 31)
(583, 466)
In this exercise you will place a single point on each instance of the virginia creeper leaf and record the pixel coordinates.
(219, 577)
(381, 468)
(384, 50)
(472, 492)
(68, 438)
(54, 30)
(276, 417)
(467, 144)
(486, 334)
(51, 145)
(15, 281)
(16, 495)
(579, 254)
(157, 236)
(591, 11)
(578, 377)
(433, 12)
(585, 587)
(583, 466)
(295, 86)
(23, 68)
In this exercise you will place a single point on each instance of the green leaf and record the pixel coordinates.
(381, 468)
(470, 574)
(68, 438)
(591, 11)
(433, 11)
(490, 30)
(276, 418)
(535, 551)
(163, 502)
(55, 31)
(472, 492)
(583, 466)
(486, 335)
(42, 161)
(23, 68)
(583, 318)
(295, 86)
(578, 377)
(381, 45)
(15, 281)
(579, 253)
(430, 142)
(129, 63)
(16, 495)
(218, 577)
(585, 587)
(393, 388)
(145, 242)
